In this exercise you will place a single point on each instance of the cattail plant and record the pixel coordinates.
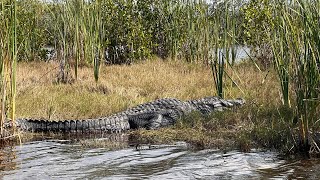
(296, 47)
(224, 41)
(279, 43)
(8, 59)
(80, 33)
(306, 70)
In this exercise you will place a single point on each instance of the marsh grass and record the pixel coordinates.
(119, 87)
(83, 32)
(296, 52)
(262, 123)
(246, 128)
(8, 60)
(123, 86)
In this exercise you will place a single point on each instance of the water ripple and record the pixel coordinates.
(61, 160)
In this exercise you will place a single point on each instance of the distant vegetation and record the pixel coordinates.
(284, 35)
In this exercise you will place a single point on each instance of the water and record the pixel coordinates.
(55, 159)
(242, 53)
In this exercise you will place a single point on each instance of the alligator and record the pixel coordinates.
(152, 115)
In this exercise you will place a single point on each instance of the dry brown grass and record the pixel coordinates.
(123, 86)
(119, 87)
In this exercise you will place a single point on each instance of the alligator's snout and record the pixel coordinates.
(239, 101)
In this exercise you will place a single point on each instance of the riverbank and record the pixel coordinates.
(260, 123)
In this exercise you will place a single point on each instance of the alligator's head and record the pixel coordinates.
(213, 103)
(237, 102)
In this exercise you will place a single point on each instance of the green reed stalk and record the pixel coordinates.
(61, 28)
(2, 59)
(226, 43)
(98, 34)
(215, 62)
(221, 45)
(296, 45)
(281, 54)
(8, 58)
(77, 10)
(14, 58)
(233, 35)
(308, 70)
(80, 36)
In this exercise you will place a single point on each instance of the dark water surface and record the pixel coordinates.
(56, 159)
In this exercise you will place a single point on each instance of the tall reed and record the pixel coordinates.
(306, 69)
(223, 43)
(80, 33)
(8, 59)
(296, 49)
(282, 57)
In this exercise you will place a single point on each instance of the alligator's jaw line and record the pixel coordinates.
(151, 115)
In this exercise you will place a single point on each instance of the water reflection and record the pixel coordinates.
(53, 159)
(295, 169)
(7, 158)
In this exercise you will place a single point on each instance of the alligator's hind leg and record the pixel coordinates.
(163, 119)
(149, 120)
(155, 122)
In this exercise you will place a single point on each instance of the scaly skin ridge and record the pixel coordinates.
(151, 115)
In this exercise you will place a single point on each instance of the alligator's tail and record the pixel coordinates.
(111, 124)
